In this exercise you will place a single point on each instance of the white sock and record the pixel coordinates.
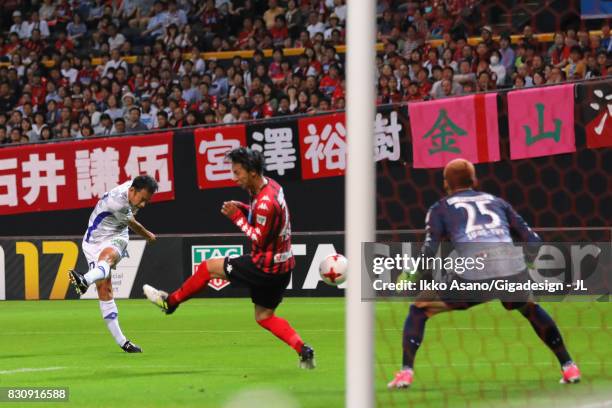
(100, 271)
(110, 314)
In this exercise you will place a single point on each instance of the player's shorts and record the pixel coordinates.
(461, 300)
(266, 288)
(92, 250)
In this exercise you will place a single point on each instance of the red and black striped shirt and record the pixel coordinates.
(268, 227)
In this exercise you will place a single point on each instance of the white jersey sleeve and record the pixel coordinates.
(110, 217)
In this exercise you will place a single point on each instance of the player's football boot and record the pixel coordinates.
(159, 298)
(78, 282)
(571, 374)
(130, 347)
(307, 360)
(403, 379)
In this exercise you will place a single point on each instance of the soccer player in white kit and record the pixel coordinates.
(105, 243)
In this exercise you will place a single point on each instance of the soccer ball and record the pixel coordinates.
(333, 269)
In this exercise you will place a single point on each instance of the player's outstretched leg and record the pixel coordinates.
(212, 268)
(101, 270)
(110, 314)
(546, 328)
(426, 306)
(414, 330)
(159, 298)
(281, 328)
(78, 282)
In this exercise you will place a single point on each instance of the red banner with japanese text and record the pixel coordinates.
(211, 145)
(62, 176)
(322, 146)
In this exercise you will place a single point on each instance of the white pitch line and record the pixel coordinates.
(602, 404)
(256, 330)
(30, 370)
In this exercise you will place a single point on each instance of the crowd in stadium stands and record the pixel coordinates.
(74, 98)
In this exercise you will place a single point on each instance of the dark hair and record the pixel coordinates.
(576, 49)
(251, 160)
(145, 181)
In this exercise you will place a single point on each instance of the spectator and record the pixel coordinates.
(19, 26)
(68, 71)
(293, 18)
(156, 24)
(576, 67)
(114, 110)
(87, 131)
(115, 62)
(484, 82)
(315, 25)
(148, 112)
(119, 126)
(174, 15)
(271, 13)
(37, 24)
(162, 120)
(260, 108)
(47, 11)
(46, 133)
(454, 88)
(15, 135)
(115, 38)
(601, 60)
(134, 123)
(506, 52)
(497, 68)
(486, 34)
(279, 31)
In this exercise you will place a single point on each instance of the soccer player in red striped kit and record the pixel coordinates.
(266, 271)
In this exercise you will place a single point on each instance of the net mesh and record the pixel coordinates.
(487, 356)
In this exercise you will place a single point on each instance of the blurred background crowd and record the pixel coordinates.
(78, 68)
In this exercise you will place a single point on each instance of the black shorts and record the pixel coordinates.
(266, 288)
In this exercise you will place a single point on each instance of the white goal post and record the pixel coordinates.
(360, 198)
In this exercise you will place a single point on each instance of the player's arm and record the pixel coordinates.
(518, 225)
(242, 207)
(262, 221)
(139, 229)
(527, 236)
(125, 216)
(434, 231)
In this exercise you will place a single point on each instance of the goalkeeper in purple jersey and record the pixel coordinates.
(464, 217)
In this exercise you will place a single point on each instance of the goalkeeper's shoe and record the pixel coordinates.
(159, 298)
(78, 282)
(403, 379)
(307, 360)
(130, 347)
(571, 374)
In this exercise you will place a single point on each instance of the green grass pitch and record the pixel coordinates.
(489, 357)
(201, 356)
(210, 350)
